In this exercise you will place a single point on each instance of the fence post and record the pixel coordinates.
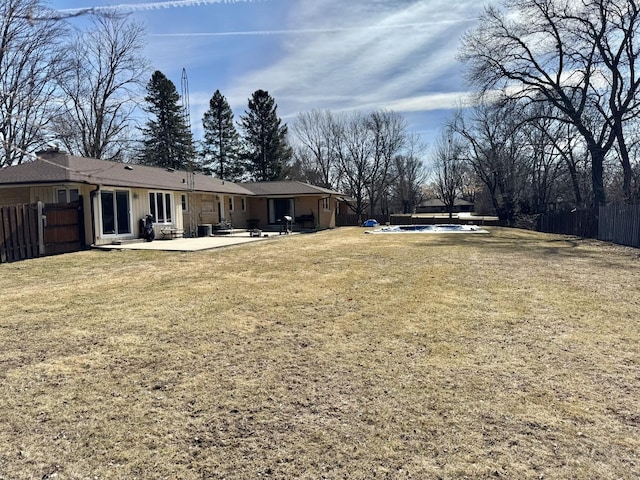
(41, 224)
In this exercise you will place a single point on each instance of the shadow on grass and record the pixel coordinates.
(505, 241)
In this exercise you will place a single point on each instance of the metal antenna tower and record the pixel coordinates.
(186, 113)
(191, 180)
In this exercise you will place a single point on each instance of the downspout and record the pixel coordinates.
(92, 195)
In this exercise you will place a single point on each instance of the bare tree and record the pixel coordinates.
(388, 136)
(494, 152)
(353, 148)
(450, 169)
(409, 175)
(578, 56)
(105, 72)
(314, 133)
(30, 60)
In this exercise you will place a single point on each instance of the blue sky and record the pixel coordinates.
(340, 55)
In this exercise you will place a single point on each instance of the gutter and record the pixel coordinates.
(92, 195)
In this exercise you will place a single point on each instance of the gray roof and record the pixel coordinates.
(287, 188)
(64, 168)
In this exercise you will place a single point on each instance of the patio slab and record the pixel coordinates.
(191, 244)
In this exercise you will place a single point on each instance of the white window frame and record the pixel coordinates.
(169, 213)
(67, 191)
(243, 204)
(129, 227)
(231, 204)
(326, 204)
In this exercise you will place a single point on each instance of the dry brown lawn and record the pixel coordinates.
(333, 355)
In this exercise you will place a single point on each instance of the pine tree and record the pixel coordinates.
(267, 150)
(221, 142)
(167, 140)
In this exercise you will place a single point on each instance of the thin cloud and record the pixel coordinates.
(134, 7)
(304, 31)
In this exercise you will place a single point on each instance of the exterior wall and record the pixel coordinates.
(258, 211)
(210, 208)
(323, 217)
(204, 209)
(308, 206)
(237, 216)
(13, 196)
(139, 207)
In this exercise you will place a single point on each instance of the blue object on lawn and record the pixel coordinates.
(370, 223)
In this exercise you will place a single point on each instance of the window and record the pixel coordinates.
(231, 204)
(325, 203)
(184, 203)
(67, 195)
(243, 204)
(160, 207)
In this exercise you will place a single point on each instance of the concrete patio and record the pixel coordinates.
(192, 244)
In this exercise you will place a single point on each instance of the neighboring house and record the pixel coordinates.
(435, 205)
(116, 196)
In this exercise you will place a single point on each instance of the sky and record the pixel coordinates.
(338, 55)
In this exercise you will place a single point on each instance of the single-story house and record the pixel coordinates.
(116, 196)
(435, 205)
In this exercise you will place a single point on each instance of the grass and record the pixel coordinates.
(332, 355)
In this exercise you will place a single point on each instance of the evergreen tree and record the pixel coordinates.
(267, 150)
(221, 143)
(167, 140)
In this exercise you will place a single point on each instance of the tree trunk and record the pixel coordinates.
(597, 176)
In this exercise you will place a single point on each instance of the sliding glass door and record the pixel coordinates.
(116, 212)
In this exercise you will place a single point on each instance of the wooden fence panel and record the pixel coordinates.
(63, 232)
(18, 232)
(581, 223)
(610, 223)
(620, 224)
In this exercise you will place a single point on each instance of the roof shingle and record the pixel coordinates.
(59, 167)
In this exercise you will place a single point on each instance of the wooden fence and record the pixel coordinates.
(611, 223)
(581, 223)
(34, 230)
(620, 224)
(21, 235)
(64, 229)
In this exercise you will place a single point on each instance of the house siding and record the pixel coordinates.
(12, 196)
(139, 207)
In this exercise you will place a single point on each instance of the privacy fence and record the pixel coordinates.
(20, 234)
(611, 223)
(34, 230)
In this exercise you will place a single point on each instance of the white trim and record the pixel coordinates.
(154, 211)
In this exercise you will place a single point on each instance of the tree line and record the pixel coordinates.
(556, 107)
(80, 87)
(261, 153)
